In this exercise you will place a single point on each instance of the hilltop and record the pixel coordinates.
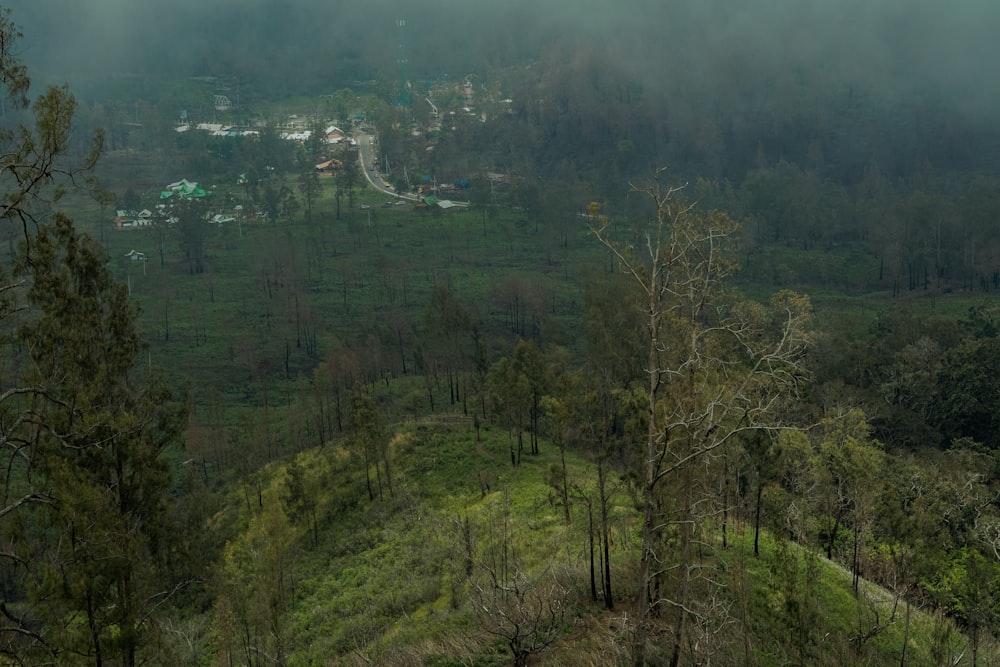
(465, 546)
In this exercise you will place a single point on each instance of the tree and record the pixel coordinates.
(528, 611)
(852, 464)
(310, 189)
(315, 146)
(192, 228)
(350, 176)
(482, 199)
(74, 411)
(299, 499)
(446, 324)
(511, 396)
(716, 368)
(372, 440)
(966, 405)
(254, 590)
(614, 334)
(333, 377)
(580, 414)
(970, 590)
(36, 163)
(275, 201)
(130, 200)
(529, 362)
(92, 439)
(518, 384)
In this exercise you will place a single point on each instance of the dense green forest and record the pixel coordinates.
(737, 410)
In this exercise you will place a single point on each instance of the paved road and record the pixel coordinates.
(366, 153)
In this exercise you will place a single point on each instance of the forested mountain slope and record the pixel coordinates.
(739, 410)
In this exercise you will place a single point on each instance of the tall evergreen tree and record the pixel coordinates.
(83, 508)
(96, 552)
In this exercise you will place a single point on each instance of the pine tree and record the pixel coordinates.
(83, 516)
(96, 552)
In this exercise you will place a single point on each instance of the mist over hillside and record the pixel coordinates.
(717, 85)
(895, 43)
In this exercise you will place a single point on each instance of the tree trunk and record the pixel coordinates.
(684, 562)
(378, 478)
(564, 488)
(756, 520)
(906, 635)
(649, 482)
(605, 537)
(855, 575)
(832, 538)
(725, 505)
(590, 540)
(368, 476)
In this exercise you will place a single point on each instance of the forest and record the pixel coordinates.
(488, 336)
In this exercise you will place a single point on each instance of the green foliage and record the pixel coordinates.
(517, 385)
(388, 581)
(191, 231)
(86, 522)
(385, 575)
(965, 402)
(97, 544)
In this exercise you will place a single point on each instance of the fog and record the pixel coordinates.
(914, 76)
(914, 42)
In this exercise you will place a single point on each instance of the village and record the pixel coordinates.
(361, 139)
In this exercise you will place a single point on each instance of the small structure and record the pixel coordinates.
(133, 220)
(302, 136)
(136, 256)
(329, 166)
(184, 189)
(123, 218)
(334, 135)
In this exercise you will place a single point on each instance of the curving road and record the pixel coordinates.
(366, 153)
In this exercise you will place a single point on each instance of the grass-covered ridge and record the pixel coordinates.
(333, 577)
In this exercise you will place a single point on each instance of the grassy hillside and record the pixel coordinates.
(411, 578)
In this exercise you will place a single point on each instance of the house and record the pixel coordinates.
(217, 129)
(133, 220)
(334, 135)
(184, 189)
(297, 136)
(123, 218)
(136, 256)
(329, 165)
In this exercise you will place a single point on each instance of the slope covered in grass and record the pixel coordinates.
(316, 572)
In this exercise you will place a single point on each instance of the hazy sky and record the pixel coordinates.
(899, 43)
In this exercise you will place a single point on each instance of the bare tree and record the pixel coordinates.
(716, 368)
(529, 611)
